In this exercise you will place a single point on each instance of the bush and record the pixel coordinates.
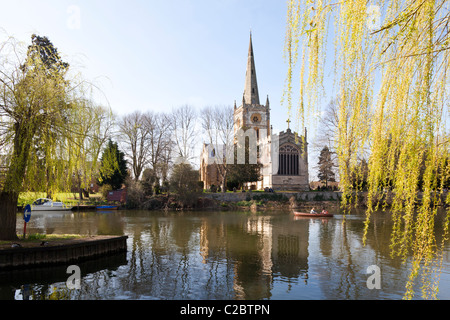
(104, 190)
(244, 203)
(184, 182)
(271, 197)
(135, 193)
(231, 185)
(318, 197)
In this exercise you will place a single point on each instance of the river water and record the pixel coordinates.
(223, 255)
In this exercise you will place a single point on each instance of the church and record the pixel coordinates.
(283, 156)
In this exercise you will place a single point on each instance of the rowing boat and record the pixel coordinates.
(313, 215)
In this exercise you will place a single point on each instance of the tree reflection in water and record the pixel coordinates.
(228, 255)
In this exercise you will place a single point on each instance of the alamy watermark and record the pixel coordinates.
(374, 280)
(373, 21)
(74, 19)
(73, 281)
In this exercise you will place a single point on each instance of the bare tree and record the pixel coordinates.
(184, 132)
(160, 143)
(327, 130)
(134, 130)
(218, 125)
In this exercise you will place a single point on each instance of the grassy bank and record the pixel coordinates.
(66, 197)
(37, 239)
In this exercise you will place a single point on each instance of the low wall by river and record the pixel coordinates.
(71, 252)
(299, 196)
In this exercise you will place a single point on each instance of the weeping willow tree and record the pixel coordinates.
(91, 127)
(390, 63)
(42, 121)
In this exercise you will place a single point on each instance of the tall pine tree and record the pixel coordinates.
(113, 168)
(325, 166)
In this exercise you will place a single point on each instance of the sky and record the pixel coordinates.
(160, 54)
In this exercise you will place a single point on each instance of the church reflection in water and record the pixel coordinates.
(220, 255)
(198, 256)
(259, 251)
(210, 256)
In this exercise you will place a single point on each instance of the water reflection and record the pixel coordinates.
(214, 255)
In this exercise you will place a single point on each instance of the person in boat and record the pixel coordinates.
(324, 211)
(313, 211)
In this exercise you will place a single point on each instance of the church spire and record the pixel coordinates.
(251, 95)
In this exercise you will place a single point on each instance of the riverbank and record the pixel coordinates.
(258, 201)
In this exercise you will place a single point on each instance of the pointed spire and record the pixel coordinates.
(251, 94)
(267, 101)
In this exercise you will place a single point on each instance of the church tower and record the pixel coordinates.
(284, 156)
(251, 95)
(252, 114)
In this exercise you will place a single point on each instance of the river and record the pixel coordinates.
(223, 255)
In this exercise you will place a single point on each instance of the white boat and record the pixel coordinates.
(49, 205)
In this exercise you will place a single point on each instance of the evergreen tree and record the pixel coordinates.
(238, 174)
(325, 166)
(113, 166)
(243, 173)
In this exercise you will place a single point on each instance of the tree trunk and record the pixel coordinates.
(24, 131)
(224, 183)
(13, 183)
(8, 215)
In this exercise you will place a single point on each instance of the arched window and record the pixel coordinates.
(288, 161)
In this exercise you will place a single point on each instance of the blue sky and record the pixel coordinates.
(156, 55)
(161, 54)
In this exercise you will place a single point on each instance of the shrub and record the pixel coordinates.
(271, 197)
(104, 190)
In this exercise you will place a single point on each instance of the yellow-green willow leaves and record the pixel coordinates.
(50, 132)
(391, 81)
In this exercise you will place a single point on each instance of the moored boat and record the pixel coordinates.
(313, 215)
(43, 204)
(107, 207)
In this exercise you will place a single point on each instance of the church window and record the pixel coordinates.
(288, 161)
